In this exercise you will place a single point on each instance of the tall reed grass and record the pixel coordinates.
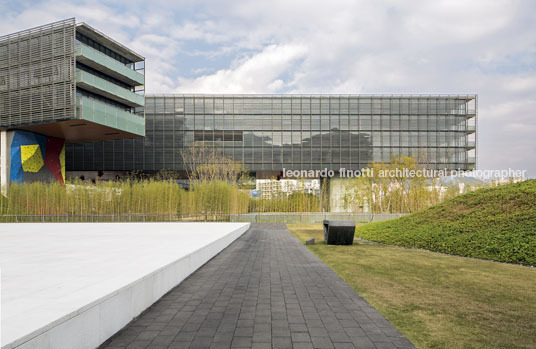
(81, 198)
(149, 197)
(297, 202)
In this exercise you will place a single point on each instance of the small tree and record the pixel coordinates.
(203, 163)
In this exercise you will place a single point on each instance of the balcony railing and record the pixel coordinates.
(99, 112)
(108, 65)
(103, 87)
(471, 160)
(470, 128)
(470, 144)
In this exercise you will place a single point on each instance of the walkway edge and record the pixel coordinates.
(93, 324)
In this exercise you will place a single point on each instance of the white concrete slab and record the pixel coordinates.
(73, 285)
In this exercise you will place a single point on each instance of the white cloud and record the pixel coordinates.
(522, 83)
(507, 135)
(448, 21)
(257, 74)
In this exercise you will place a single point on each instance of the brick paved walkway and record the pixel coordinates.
(266, 290)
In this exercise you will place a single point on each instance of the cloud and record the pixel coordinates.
(507, 139)
(522, 83)
(446, 21)
(257, 74)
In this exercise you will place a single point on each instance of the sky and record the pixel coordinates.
(478, 47)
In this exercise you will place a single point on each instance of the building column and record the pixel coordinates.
(5, 162)
(324, 194)
(337, 190)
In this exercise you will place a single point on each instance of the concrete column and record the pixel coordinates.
(5, 162)
(324, 194)
(337, 189)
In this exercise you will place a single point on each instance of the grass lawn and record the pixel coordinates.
(437, 301)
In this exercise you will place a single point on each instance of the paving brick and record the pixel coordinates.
(184, 336)
(138, 345)
(147, 335)
(322, 342)
(298, 328)
(220, 345)
(300, 337)
(161, 341)
(318, 332)
(302, 345)
(339, 337)
(201, 342)
(207, 331)
(343, 345)
(241, 342)
(179, 345)
(281, 342)
(243, 332)
(362, 342)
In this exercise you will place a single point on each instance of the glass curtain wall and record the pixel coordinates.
(297, 132)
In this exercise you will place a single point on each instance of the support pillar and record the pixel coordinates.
(337, 190)
(324, 194)
(5, 162)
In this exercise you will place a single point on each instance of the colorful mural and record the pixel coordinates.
(35, 157)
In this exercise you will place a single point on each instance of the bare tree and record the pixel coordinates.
(203, 163)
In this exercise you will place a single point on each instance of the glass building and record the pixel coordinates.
(296, 132)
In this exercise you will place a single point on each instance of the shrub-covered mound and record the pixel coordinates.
(496, 223)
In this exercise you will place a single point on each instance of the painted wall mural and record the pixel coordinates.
(35, 157)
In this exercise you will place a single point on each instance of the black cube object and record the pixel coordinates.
(339, 232)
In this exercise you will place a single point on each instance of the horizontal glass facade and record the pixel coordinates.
(298, 132)
(113, 91)
(100, 61)
(95, 110)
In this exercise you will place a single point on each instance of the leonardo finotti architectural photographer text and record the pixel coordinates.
(403, 173)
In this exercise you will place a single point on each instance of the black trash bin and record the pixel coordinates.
(339, 232)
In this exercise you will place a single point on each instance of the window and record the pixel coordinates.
(105, 50)
(218, 136)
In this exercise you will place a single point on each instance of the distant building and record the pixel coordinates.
(502, 181)
(270, 188)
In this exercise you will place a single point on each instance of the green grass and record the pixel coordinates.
(436, 300)
(494, 223)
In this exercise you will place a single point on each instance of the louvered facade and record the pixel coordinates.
(37, 75)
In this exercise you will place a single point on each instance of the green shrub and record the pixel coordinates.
(493, 223)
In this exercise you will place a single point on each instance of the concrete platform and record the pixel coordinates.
(73, 285)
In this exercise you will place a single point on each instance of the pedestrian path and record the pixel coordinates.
(266, 290)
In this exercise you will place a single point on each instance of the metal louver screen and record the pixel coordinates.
(37, 75)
